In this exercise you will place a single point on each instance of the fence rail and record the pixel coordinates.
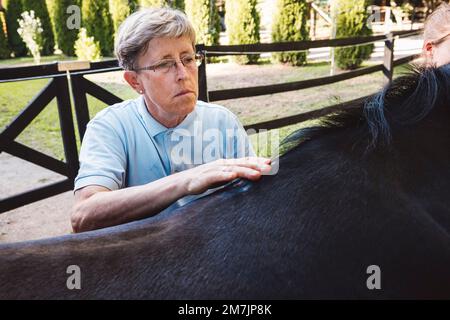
(52, 70)
(302, 45)
(56, 88)
(61, 76)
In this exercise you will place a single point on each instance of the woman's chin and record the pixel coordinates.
(182, 110)
(186, 103)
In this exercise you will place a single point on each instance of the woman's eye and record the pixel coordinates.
(164, 65)
(188, 60)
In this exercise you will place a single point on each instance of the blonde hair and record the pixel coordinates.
(141, 27)
(437, 23)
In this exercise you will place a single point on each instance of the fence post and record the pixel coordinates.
(78, 91)
(388, 63)
(67, 127)
(202, 81)
(80, 102)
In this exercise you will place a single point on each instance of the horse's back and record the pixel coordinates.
(308, 235)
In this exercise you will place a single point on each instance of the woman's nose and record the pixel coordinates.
(181, 70)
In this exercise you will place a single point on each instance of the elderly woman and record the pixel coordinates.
(436, 46)
(140, 156)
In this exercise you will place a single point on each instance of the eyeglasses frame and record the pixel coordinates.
(199, 58)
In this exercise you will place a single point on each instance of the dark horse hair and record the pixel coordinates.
(406, 101)
(368, 190)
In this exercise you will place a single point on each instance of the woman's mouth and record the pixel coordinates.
(183, 93)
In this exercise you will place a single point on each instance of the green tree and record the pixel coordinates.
(290, 24)
(205, 19)
(120, 9)
(51, 12)
(13, 10)
(98, 23)
(41, 11)
(86, 48)
(4, 47)
(242, 21)
(65, 36)
(351, 21)
(179, 4)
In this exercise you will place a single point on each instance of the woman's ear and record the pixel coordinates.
(428, 49)
(132, 79)
(427, 53)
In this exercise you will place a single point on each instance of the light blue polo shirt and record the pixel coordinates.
(125, 146)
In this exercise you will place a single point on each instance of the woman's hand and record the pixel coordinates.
(219, 172)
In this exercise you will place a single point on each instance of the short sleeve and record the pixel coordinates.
(102, 156)
(241, 145)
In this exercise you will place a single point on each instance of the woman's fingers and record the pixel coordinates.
(243, 171)
(256, 163)
(222, 171)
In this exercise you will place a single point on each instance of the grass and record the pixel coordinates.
(263, 108)
(44, 132)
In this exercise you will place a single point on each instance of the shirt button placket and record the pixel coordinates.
(167, 150)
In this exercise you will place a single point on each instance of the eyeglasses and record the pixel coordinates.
(440, 40)
(190, 61)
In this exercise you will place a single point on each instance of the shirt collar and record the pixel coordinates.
(153, 125)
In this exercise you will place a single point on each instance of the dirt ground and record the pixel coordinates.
(42, 219)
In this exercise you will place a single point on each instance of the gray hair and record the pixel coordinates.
(437, 23)
(141, 27)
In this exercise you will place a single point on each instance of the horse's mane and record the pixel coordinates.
(404, 102)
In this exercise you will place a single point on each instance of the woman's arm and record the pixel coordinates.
(98, 207)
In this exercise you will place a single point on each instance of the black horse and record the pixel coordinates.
(370, 187)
